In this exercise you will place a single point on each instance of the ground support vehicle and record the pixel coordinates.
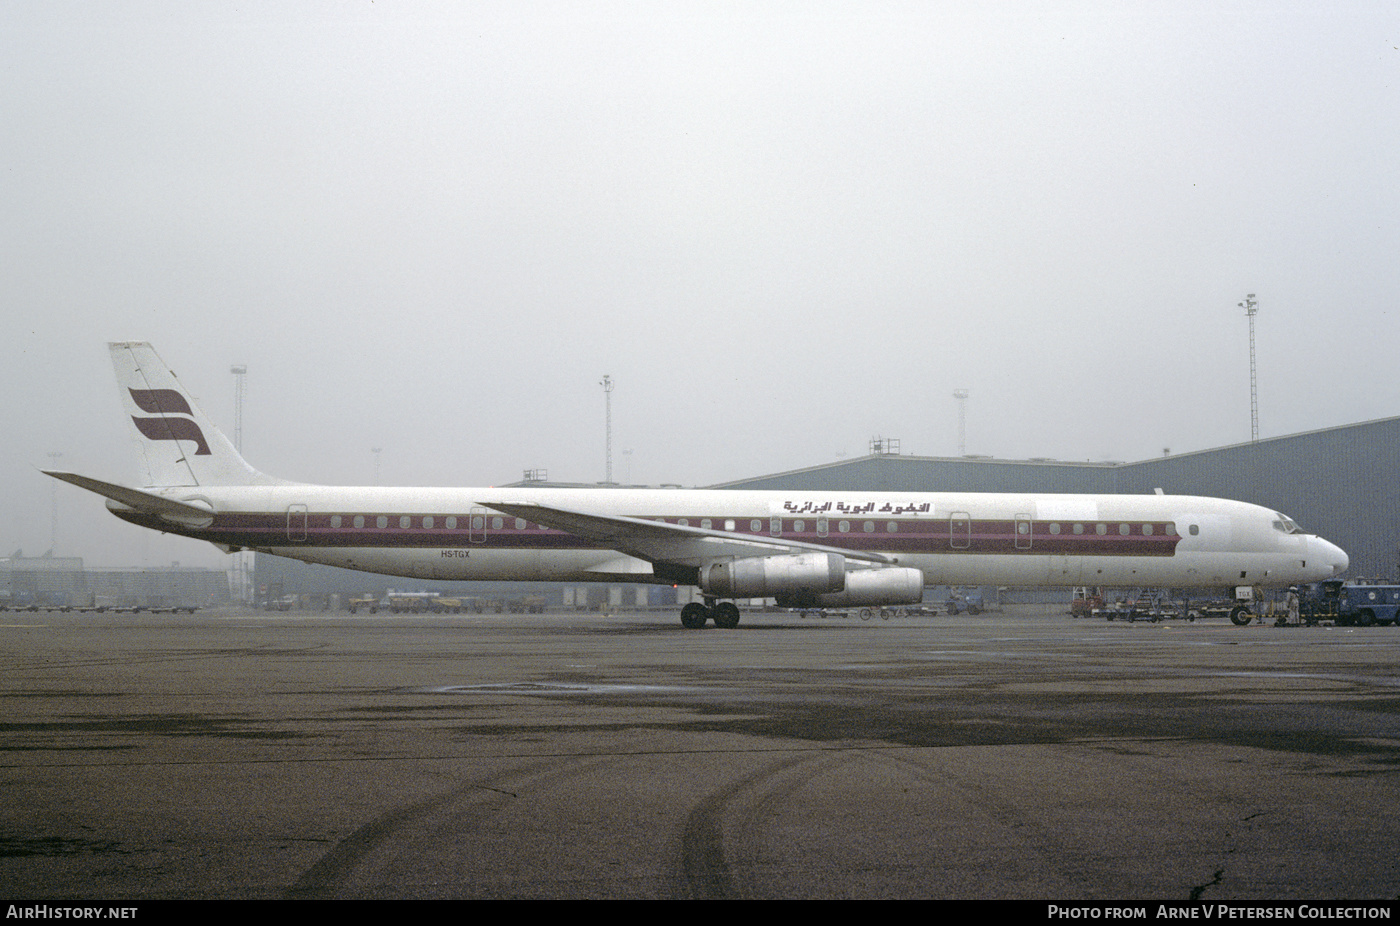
(1349, 605)
(969, 600)
(409, 602)
(1084, 601)
(1145, 605)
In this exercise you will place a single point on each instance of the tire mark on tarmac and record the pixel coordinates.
(1093, 862)
(706, 849)
(1013, 820)
(332, 876)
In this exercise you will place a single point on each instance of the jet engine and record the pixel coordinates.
(773, 576)
(881, 585)
(811, 580)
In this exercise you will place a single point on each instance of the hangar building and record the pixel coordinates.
(1336, 482)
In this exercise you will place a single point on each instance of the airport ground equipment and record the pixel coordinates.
(1348, 605)
(1084, 600)
(421, 603)
(1147, 604)
(969, 600)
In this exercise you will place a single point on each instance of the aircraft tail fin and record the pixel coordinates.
(175, 443)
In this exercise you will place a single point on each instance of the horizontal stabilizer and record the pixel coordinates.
(169, 509)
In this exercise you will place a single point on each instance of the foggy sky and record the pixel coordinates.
(782, 228)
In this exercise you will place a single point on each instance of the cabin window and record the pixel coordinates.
(729, 524)
(359, 520)
(452, 522)
(1195, 529)
(497, 523)
(335, 520)
(1169, 528)
(775, 526)
(1101, 529)
(1124, 529)
(405, 522)
(1054, 528)
(755, 525)
(822, 527)
(1147, 530)
(428, 523)
(1079, 528)
(891, 527)
(799, 526)
(520, 524)
(844, 527)
(705, 523)
(683, 522)
(381, 521)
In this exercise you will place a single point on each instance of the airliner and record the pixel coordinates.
(802, 549)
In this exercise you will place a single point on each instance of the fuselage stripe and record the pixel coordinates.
(913, 536)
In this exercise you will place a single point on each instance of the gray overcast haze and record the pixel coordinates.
(782, 228)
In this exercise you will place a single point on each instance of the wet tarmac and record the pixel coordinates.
(240, 754)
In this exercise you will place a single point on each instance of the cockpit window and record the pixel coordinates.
(1283, 522)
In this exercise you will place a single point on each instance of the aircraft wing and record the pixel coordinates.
(660, 542)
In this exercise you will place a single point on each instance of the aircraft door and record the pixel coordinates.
(296, 523)
(476, 531)
(960, 530)
(1023, 531)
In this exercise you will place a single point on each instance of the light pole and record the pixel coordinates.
(961, 396)
(54, 457)
(1251, 308)
(240, 372)
(607, 385)
(242, 565)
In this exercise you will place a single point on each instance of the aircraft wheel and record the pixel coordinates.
(694, 615)
(866, 614)
(1240, 617)
(727, 615)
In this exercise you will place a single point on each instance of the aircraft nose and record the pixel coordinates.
(1333, 555)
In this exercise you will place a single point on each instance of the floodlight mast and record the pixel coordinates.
(1251, 308)
(240, 390)
(961, 396)
(607, 385)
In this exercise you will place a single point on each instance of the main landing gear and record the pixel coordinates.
(695, 614)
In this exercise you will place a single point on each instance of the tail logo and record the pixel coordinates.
(166, 403)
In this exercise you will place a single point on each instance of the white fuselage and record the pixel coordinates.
(952, 538)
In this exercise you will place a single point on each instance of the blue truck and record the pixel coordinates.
(1348, 605)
